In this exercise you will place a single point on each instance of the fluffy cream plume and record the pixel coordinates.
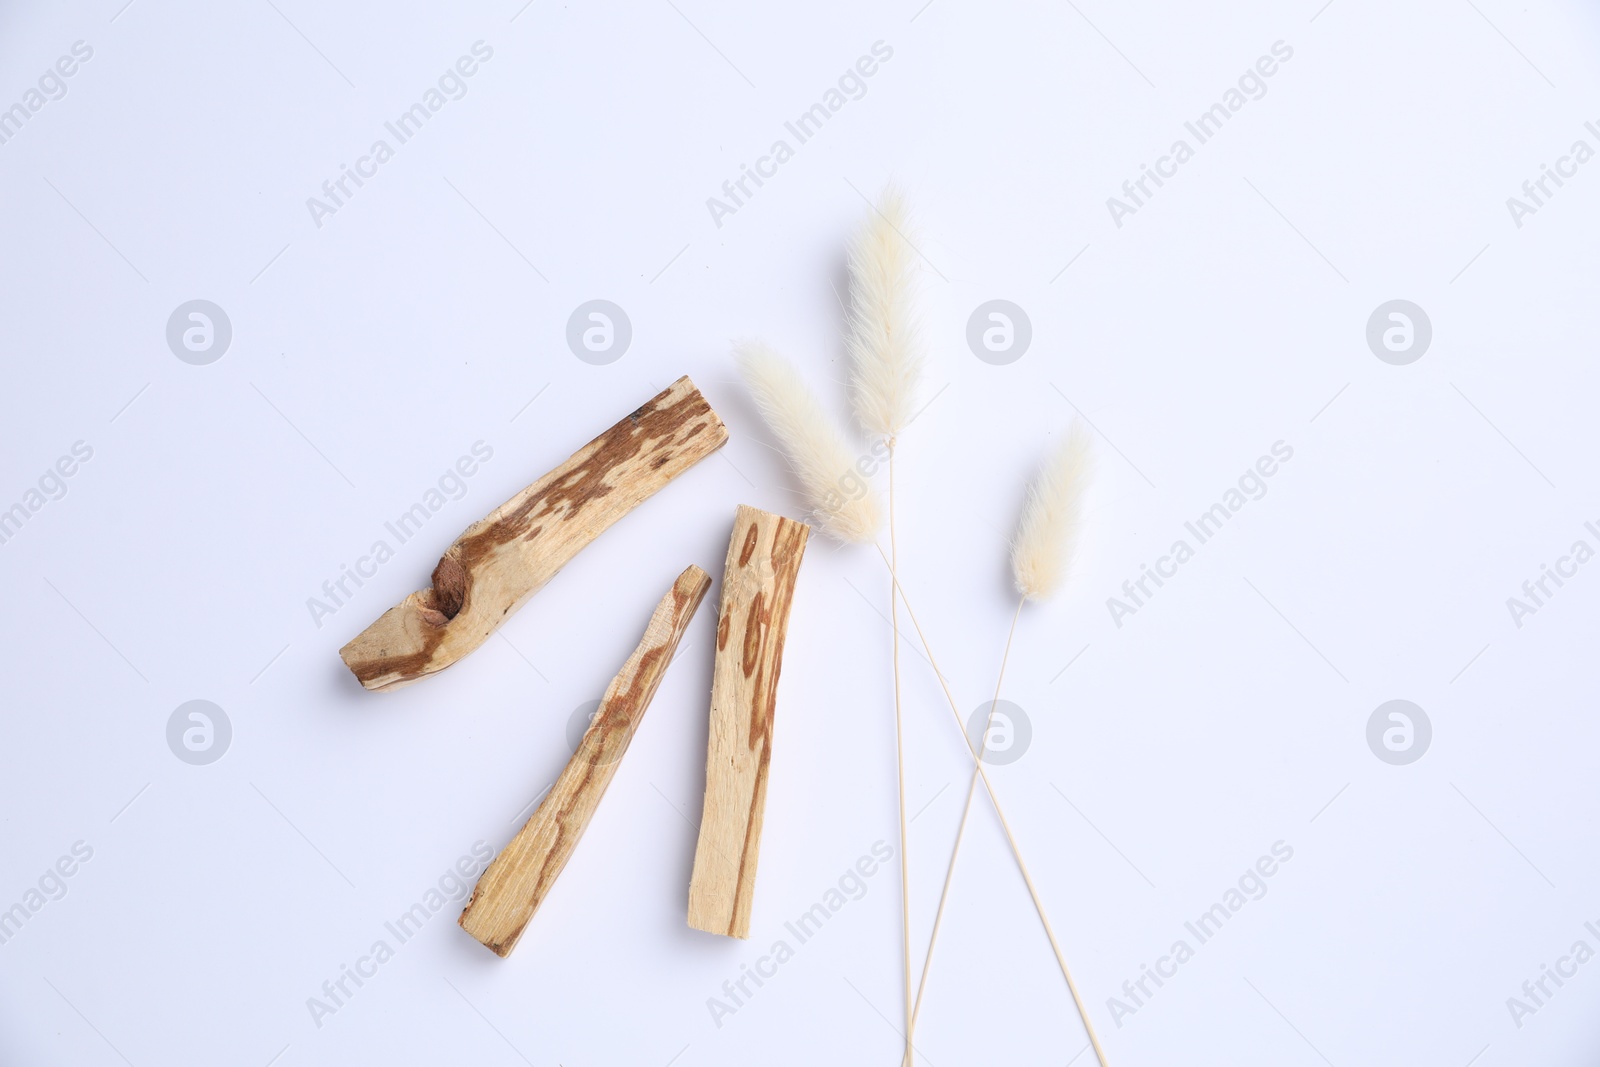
(883, 342)
(841, 504)
(1047, 537)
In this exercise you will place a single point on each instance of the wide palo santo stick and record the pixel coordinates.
(757, 590)
(502, 560)
(518, 880)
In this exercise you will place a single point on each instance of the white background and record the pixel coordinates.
(1228, 714)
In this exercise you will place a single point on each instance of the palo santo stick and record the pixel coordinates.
(502, 560)
(515, 884)
(757, 590)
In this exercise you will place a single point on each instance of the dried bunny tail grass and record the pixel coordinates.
(811, 441)
(883, 344)
(1047, 537)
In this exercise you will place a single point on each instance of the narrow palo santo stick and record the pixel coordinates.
(502, 560)
(757, 590)
(516, 883)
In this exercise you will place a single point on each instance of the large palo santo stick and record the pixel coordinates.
(502, 560)
(757, 590)
(515, 884)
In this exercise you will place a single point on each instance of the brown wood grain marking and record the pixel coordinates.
(764, 554)
(499, 562)
(517, 882)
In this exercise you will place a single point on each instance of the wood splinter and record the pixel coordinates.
(518, 880)
(502, 560)
(757, 589)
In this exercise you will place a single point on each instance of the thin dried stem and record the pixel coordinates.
(966, 811)
(1005, 825)
(900, 759)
